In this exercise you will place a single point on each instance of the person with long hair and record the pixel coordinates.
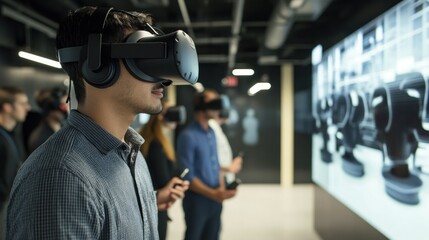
(159, 153)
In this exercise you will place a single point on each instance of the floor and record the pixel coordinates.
(264, 211)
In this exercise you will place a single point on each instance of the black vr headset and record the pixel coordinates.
(148, 56)
(176, 114)
(220, 103)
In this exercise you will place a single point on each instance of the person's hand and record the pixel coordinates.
(222, 194)
(175, 189)
(236, 164)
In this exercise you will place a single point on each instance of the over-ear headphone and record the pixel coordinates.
(170, 58)
(176, 114)
(97, 68)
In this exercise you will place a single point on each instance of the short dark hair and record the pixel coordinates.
(7, 95)
(50, 98)
(74, 31)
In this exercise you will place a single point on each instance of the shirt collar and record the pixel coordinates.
(200, 128)
(99, 137)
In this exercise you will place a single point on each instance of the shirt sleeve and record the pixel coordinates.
(54, 204)
(185, 153)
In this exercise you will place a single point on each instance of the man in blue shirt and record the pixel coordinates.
(196, 150)
(89, 180)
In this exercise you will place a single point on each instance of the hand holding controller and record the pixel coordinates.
(182, 176)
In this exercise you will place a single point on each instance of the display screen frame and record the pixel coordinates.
(369, 101)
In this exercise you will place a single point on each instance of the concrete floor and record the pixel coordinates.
(260, 211)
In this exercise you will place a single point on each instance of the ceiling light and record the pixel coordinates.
(243, 72)
(258, 87)
(294, 4)
(39, 59)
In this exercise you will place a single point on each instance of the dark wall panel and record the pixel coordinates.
(333, 220)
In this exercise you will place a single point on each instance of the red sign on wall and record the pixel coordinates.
(230, 81)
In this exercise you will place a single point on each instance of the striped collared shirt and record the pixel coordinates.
(82, 183)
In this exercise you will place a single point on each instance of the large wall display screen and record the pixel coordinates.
(370, 102)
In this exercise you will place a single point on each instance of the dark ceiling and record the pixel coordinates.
(227, 32)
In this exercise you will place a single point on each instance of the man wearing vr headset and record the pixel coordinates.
(89, 180)
(197, 150)
(54, 108)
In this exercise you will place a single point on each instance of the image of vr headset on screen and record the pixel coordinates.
(348, 112)
(324, 113)
(148, 55)
(397, 110)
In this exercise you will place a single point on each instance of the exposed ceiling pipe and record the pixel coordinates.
(280, 23)
(213, 58)
(145, 3)
(214, 24)
(186, 19)
(70, 4)
(28, 14)
(212, 40)
(202, 24)
(236, 26)
(17, 16)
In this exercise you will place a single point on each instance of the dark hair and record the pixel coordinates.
(74, 31)
(50, 99)
(152, 131)
(7, 95)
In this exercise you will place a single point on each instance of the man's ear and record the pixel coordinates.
(7, 107)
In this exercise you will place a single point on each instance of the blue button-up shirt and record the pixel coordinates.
(196, 150)
(83, 183)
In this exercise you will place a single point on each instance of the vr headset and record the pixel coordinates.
(176, 114)
(148, 56)
(221, 103)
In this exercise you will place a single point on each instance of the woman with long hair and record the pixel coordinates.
(159, 153)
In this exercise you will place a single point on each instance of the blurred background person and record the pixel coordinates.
(52, 103)
(159, 152)
(196, 150)
(13, 111)
(229, 165)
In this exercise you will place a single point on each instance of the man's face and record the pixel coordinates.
(139, 96)
(20, 107)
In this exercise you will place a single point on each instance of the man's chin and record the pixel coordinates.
(155, 110)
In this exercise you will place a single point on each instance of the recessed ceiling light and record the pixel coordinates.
(243, 72)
